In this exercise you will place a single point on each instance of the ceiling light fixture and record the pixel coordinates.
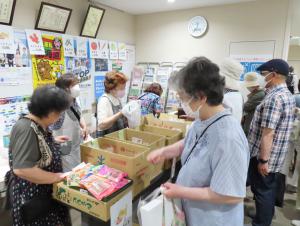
(171, 1)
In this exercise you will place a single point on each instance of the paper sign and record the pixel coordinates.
(7, 40)
(81, 48)
(68, 45)
(121, 211)
(35, 42)
(113, 50)
(104, 50)
(122, 51)
(95, 48)
(99, 86)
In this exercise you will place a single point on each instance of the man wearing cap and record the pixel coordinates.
(268, 138)
(255, 97)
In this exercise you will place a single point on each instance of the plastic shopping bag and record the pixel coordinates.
(132, 111)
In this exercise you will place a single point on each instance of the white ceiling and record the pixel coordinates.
(151, 6)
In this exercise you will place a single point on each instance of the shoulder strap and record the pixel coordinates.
(75, 113)
(202, 136)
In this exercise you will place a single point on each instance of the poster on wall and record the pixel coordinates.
(81, 47)
(81, 67)
(113, 50)
(35, 42)
(122, 51)
(117, 65)
(15, 81)
(104, 50)
(68, 45)
(136, 82)
(99, 86)
(94, 48)
(11, 109)
(121, 211)
(251, 62)
(47, 68)
(101, 65)
(7, 45)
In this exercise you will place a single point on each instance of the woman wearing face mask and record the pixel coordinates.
(110, 117)
(255, 97)
(71, 123)
(214, 154)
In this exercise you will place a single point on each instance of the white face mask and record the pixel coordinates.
(188, 110)
(75, 91)
(263, 82)
(121, 93)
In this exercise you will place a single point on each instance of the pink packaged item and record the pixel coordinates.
(111, 174)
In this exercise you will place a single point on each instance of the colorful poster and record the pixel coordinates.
(35, 42)
(113, 50)
(22, 56)
(7, 45)
(81, 48)
(68, 45)
(99, 86)
(121, 211)
(251, 62)
(10, 111)
(104, 50)
(136, 82)
(16, 81)
(117, 65)
(81, 67)
(122, 51)
(101, 65)
(47, 68)
(94, 48)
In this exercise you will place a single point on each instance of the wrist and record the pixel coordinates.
(263, 160)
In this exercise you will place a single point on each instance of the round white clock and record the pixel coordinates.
(197, 26)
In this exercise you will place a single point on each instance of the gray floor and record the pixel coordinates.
(283, 215)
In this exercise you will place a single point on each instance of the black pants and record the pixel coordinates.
(264, 190)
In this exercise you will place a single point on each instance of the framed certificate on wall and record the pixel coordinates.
(7, 8)
(92, 21)
(53, 18)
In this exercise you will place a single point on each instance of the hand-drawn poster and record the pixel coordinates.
(94, 48)
(122, 51)
(101, 65)
(81, 48)
(7, 40)
(47, 68)
(113, 50)
(121, 211)
(104, 50)
(68, 45)
(35, 42)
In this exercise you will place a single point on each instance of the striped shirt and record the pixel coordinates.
(219, 161)
(276, 112)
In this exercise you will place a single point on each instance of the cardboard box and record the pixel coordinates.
(129, 158)
(149, 140)
(86, 203)
(179, 125)
(172, 136)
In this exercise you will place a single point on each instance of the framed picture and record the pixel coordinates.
(53, 18)
(7, 8)
(92, 21)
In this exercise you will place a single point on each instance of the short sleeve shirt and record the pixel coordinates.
(219, 161)
(24, 145)
(150, 103)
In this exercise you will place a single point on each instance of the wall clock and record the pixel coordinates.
(197, 26)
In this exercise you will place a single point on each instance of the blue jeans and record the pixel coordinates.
(264, 190)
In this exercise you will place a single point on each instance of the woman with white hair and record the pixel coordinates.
(233, 98)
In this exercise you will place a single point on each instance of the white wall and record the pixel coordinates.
(294, 58)
(164, 36)
(115, 25)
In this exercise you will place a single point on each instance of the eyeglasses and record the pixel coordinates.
(265, 74)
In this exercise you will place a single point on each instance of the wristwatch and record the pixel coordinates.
(262, 161)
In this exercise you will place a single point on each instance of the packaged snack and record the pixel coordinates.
(111, 174)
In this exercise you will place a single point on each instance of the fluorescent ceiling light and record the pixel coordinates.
(171, 1)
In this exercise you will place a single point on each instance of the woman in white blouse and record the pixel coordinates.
(110, 117)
